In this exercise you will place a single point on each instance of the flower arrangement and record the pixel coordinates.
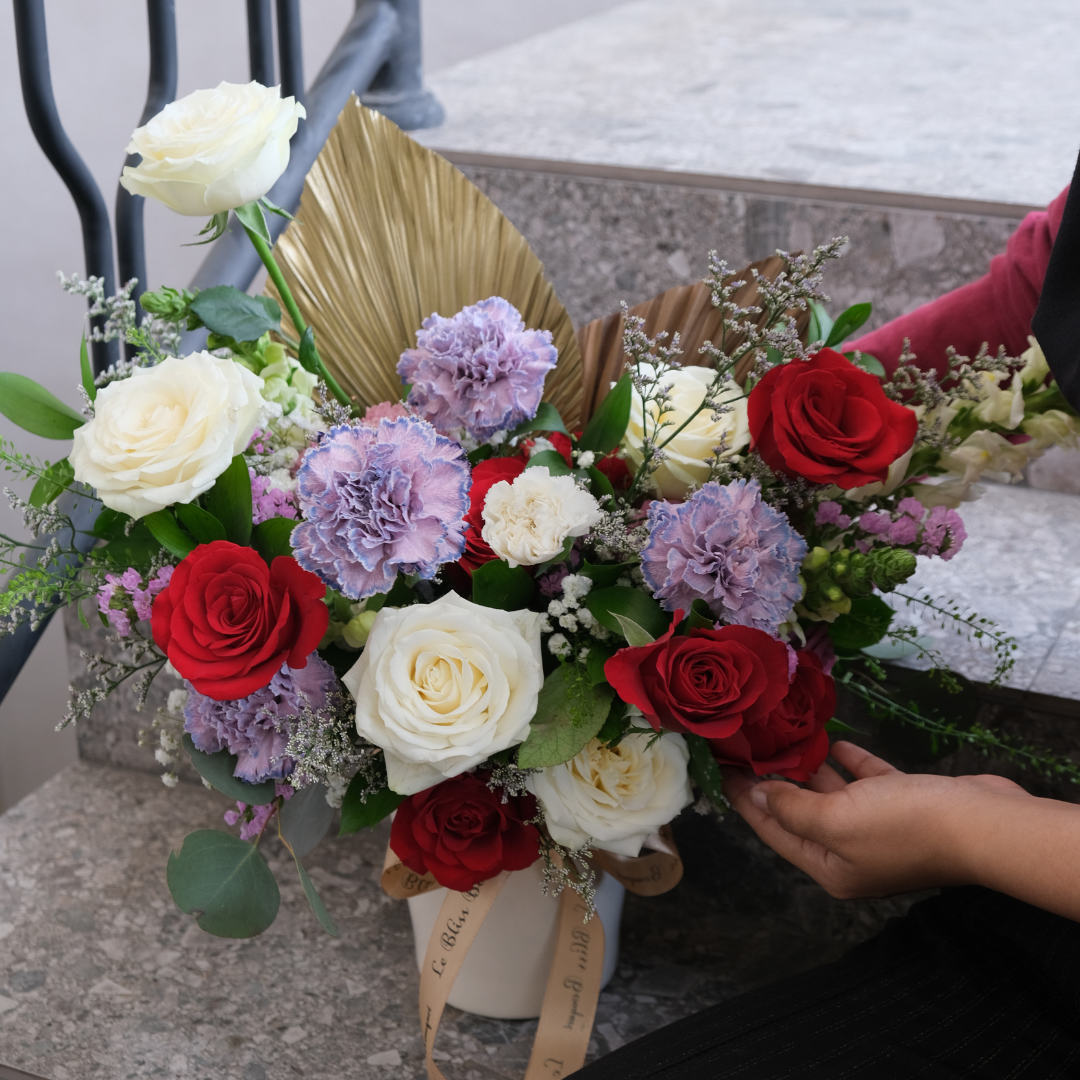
(531, 642)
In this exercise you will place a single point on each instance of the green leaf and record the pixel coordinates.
(600, 486)
(616, 724)
(200, 523)
(305, 819)
(838, 727)
(700, 618)
(598, 656)
(308, 354)
(34, 409)
(109, 524)
(315, 901)
(552, 460)
(865, 624)
(215, 226)
(251, 216)
(136, 549)
(547, 418)
(272, 537)
(225, 883)
(496, 585)
(820, 325)
(481, 453)
(231, 313)
(357, 814)
(569, 712)
(608, 425)
(275, 209)
(87, 371)
(52, 483)
(847, 322)
(605, 574)
(634, 633)
(217, 770)
(168, 533)
(867, 362)
(229, 500)
(704, 770)
(632, 604)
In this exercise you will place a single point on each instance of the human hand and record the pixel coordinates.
(886, 832)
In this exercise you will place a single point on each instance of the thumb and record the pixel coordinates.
(797, 810)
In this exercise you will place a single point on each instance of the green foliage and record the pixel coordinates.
(604, 575)
(704, 771)
(86, 371)
(569, 712)
(552, 460)
(228, 312)
(608, 424)
(366, 803)
(217, 770)
(700, 617)
(34, 409)
(481, 453)
(225, 883)
(216, 226)
(635, 634)
(308, 355)
(631, 604)
(200, 523)
(598, 656)
(171, 305)
(229, 500)
(305, 819)
(137, 548)
(820, 325)
(865, 624)
(847, 322)
(599, 486)
(167, 532)
(315, 900)
(496, 585)
(547, 418)
(52, 484)
(867, 362)
(616, 725)
(272, 537)
(251, 216)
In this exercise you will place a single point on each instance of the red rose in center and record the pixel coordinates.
(828, 421)
(485, 475)
(227, 621)
(462, 833)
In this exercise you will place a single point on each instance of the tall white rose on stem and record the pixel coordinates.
(441, 687)
(615, 798)
(214, 150)
(165, 434)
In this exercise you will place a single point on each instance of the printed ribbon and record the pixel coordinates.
(573, 986)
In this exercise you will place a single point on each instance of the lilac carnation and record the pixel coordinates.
(381, 500)
(481, 370)
(728, 548)
(256, 728)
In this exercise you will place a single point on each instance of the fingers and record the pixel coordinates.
(859, 762)
(798, 811)
(826, 779)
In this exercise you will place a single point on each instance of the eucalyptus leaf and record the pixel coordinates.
(305, 819)
(847, 322)
(217, 770)
(552, 460)
(52, 483)
(547, 418)
(497, 585)
(272, 537)
(630, 603)
(225, 883)
(227, 311)
(705, 771)
(608, 424)
(229, 500)
(569, 712)
(315, 901)
(165, 530)
(34, 409)
(358, 812)
(634, 633)
(86, 371)
(200, 523)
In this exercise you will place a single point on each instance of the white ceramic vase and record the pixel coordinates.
(505, 973)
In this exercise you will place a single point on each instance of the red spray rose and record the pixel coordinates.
(228, 621)
(709, 683)
(791, 739)
(828, 421)
(462, 833)
(485, 475)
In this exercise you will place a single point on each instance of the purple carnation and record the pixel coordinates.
(481, 370)
(256, 728)
(378, 500)
(728, 548)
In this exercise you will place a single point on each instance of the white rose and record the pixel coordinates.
(527, 522)
(214, 150)
(687, 456)
(165, 434)
(616, 798)
(441, 687)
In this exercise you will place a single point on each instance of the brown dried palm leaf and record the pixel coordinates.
(387, 233)
(687, 310)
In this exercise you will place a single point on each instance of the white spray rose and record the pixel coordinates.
(527, 522)
(165, 434)
(615, 797)
(214, 150)
(441, 687)
(687, 456)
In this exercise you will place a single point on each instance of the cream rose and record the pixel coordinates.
(441, 687)
(615, 798)
(214, 150)
(166, 433)
(686, 457)
(527, 522)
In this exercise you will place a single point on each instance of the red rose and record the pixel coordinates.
(709, 683)
(227, 621)
(485, 475)
(462, 833)
(616, 470)
(791, 740)
(828, 421)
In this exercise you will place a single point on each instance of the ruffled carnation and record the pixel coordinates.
(480, 370)
(728, 548)
(256, 728)
(378, 501)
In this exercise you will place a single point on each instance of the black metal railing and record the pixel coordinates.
(378, 57)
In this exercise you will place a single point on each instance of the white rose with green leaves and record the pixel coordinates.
(166, 433)
(214, 150)
(441, 687)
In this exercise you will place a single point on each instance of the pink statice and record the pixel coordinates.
(385, 410)
(944, 533)
(123, 597)
(268, 502)
(480, 370)
(831, 513)
(940, 533)
(253, 819)
(256, 444)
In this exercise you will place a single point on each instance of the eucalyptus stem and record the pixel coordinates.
(278, 278)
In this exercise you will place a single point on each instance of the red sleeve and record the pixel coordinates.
(996, 309)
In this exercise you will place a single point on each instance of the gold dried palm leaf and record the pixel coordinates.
(687, 310)
(388, 233)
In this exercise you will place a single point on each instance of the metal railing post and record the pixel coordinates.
(260, 41)
(398, 89)
(290, 56)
